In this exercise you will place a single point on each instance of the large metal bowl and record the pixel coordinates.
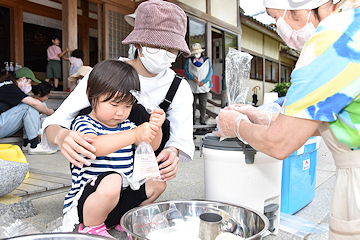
(239, 220)
(60, 236)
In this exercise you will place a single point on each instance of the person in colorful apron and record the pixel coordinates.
(198, 70)
(324, 98)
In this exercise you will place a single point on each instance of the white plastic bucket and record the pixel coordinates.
(236, 173)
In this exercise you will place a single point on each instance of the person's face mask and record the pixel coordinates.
(156, 60)
(26, 86)
(197, 55)
(294, 38)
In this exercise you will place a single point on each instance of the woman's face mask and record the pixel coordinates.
(26, 86)
(294, 38)
(156, 60)
(197, 55)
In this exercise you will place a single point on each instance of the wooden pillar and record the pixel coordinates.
(17, 51)
(84, 38)
(69, 33)
(100, 32)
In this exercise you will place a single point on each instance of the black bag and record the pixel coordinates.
(139, 115)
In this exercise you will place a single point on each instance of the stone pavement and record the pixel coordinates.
(189, 184)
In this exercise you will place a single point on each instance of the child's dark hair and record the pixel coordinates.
(43, 89)
(54, 37)
(112, 79)
(8, 77)
(77, 53)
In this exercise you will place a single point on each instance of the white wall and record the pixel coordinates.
(198, 4)
(225, 10)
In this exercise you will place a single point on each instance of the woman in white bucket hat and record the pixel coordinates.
(159, 36)
(324, 98)
(198, 70)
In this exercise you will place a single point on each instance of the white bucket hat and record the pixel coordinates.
(82, 71)
(196, 48)
(130, 18)
(295, 4)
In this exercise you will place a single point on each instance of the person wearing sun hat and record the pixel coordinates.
(130, 19)
(198, 70)
(323, 99)
(27, 73)
(18, 110)
(159, 38)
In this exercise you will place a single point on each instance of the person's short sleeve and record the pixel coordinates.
(327, 75)
(84, 125)
(10, 96)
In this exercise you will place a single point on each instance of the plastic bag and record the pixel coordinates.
(55, 226)
(237, 75)
(145, 100)
(9, 227)
(145, 164)
(299, 226)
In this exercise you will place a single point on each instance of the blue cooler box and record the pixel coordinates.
(299, 177)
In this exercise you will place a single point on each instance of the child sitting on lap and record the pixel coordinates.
(100, 193)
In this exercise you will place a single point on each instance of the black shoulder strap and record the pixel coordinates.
(171, 92)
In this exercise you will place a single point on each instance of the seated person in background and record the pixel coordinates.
(100, 193)
(18, 110)
(42, 92)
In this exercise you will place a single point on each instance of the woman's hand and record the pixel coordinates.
(255, 115)
(228, 123)
(74, 144)
(169, 163)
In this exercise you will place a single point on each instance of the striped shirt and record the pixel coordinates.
(120, 161)
(325, 84)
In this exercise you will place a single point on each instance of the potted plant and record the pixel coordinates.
(281, 88)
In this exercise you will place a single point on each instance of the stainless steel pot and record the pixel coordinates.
(60, 236)
(239, 220)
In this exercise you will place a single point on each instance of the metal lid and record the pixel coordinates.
(228, 144)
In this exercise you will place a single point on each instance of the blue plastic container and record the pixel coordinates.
(299, 177)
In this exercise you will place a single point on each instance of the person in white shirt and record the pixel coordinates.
(158, 44)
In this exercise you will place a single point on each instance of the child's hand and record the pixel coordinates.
(144, 133)
(157, 117)
(67, 49)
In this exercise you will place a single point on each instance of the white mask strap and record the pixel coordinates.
(284, 13)
(308, 17)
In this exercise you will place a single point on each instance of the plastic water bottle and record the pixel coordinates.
(17, 66)
(11, 67)
(7, 68)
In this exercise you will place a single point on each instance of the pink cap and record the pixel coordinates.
(161, 24)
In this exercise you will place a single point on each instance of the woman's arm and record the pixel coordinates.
(210, 73)
(55, 131)
(38, 105)
(187, 73)
(282, 138)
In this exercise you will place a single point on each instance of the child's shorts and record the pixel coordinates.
(128, 200)
(53, 69)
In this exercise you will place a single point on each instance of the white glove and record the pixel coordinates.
(228, 123)
(262, 115)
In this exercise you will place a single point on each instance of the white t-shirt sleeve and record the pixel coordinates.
(68, 110)
(181, 122)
